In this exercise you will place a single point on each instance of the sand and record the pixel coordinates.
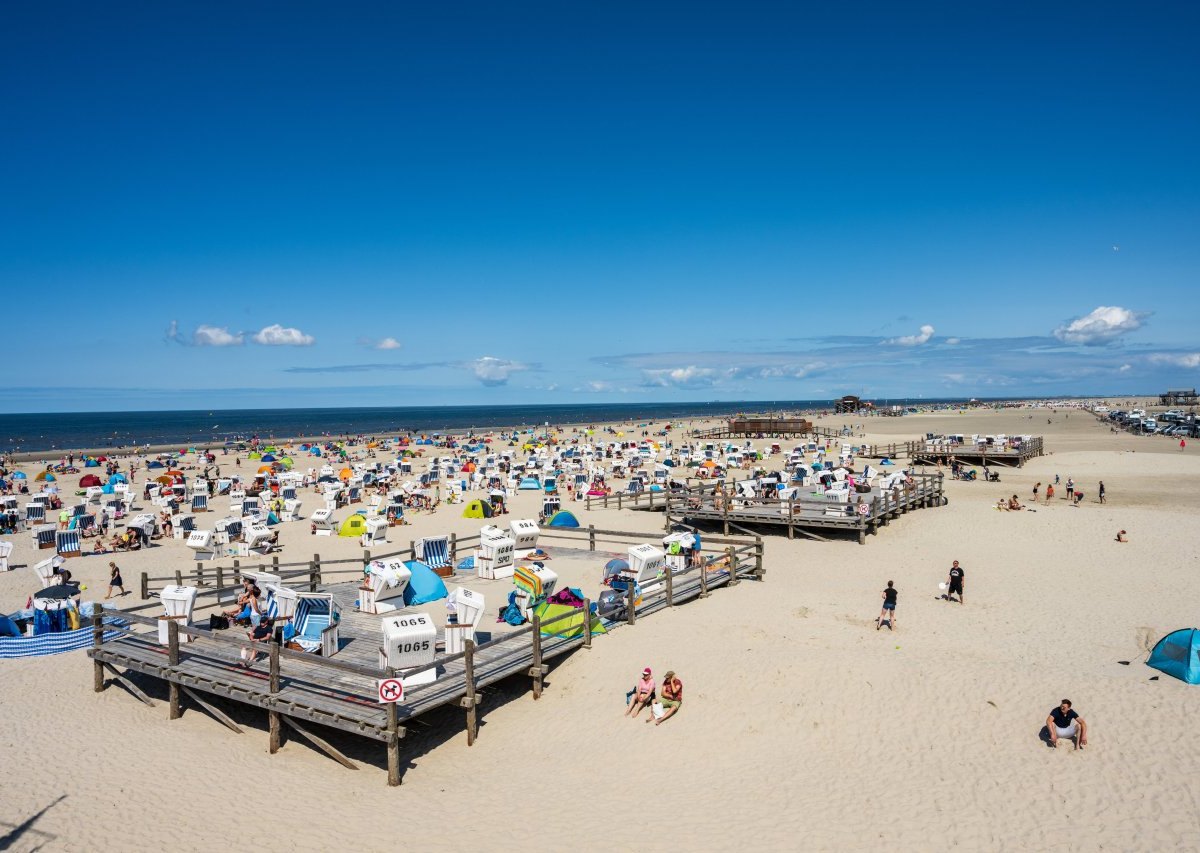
(803, 728)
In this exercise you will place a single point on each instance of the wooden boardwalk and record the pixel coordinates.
(933, 453)
(297, 689)
(866, 513)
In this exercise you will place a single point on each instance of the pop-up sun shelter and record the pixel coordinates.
(424, 585)
(1178, 654)
(563, 518)
(355, 525)
(477, 509)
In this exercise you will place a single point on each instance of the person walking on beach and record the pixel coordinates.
(889, 608)
(1182, 443)
(1036, 486)
(114, 580)
(1065, 722)
(1049, 492)
(955, 584)
(1101, 493)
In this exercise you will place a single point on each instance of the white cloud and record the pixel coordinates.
(597, 386)
(216, 336)
(1178, 359)
(913, 340)
(1106, 323)
(495, 371)
(1125, 368)
(954, 341)
(955, 377)
(388, 344)
(682, 377)
(276, 335)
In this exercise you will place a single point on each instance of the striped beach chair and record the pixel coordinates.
(6, 549)
(434, 551)
(35, 513)
(314, 625)
(199, 503)
(43, 536)
(66, 543)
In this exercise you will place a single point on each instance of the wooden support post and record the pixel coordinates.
(791, 516)
(220, 715)
(97, 642)
(728, 501)
(145, 586)
(200, 575)
(220, 582)
(469, 699)
(314, 577)
(275, 563)
(412, 547)
(630, 609)
(237, 570)
(393, 732)
(535, 670)
(178, 577)
(321, 744)
(759, 571)
(670, 587)
(274, 727)
(587, 623)
(453, 548)
(175, 711)
(591, 537)
(732, 558)
(619, 498)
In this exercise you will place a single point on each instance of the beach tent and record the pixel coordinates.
(254, 455)
(529, 483)
(477, 509)
(355, 525)
(18, 475)
(424, 585)
(1178, 654)
(267, 457)
(287, 462)
(90, 463)
(89, 480)
(563, 518)
(117, 478)
(571, 626)
(154, 464)
(44, 477)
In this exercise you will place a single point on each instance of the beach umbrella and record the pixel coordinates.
(163, 480)
(58, 592)
(345, 473)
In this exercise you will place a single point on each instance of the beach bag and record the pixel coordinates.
(217, 622)
(657, 710)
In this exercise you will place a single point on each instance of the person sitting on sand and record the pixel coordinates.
(672, 698)
(642, 693)
(1002, 503)
(1065, 722)
(1014, 503)
(1121, 536)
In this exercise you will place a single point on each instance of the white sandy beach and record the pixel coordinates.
(804, 728)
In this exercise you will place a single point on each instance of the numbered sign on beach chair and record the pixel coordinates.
(408, 642)
(202, 545)
(434, 551)
(66, 543)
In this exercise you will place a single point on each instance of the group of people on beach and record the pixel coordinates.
(644, 692)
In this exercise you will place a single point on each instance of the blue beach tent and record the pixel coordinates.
(424, 586)
(1178, 654)
(563, 518)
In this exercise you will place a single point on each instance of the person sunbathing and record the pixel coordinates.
(642, 693)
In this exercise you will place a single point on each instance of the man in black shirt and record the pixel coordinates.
(888, 614)
(1064, 722)
(956, 583)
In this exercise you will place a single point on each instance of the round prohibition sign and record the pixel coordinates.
(391, 690)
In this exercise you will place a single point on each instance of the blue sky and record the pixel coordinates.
(271, 204)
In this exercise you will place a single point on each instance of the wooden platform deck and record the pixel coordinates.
(340, 692)
(806, 515)
(931, 453)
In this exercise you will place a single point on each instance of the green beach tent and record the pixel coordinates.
(571, 626)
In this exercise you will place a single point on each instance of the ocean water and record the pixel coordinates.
(31, 432)
(34, 432)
